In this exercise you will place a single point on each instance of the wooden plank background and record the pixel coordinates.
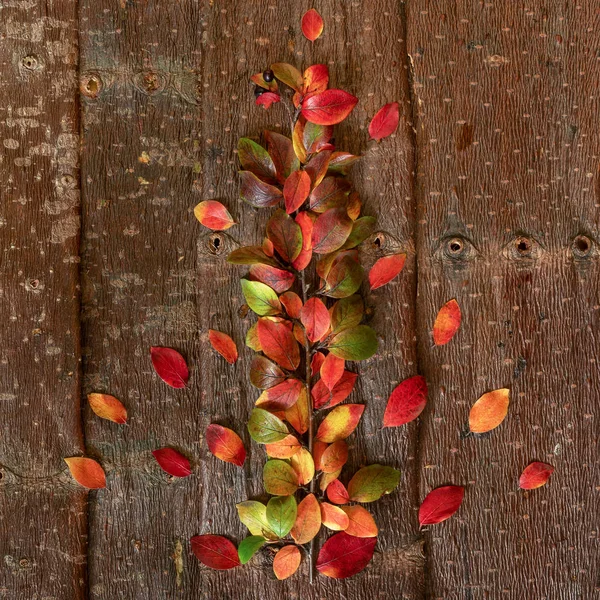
(498, 148)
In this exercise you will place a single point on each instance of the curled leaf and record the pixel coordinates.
(535, 475)
(224, 345)
(286, 562)
(489, 411)
(340, 422)
(225, 444)
(86, 472)
(213, 215)
(108, 407)
(215, 552)
(385, 269)
(170, 366)
(385, 122)
(344, 555)
(446, 323)
(308, 520)
(172, 462)
(440, 504)
(312, 25)
(372, 482)
(406, 402)
(329, 107)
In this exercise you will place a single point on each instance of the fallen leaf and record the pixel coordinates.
(340, 422)
(308, 520)
(360, 522)
(108, 407)
(329, 107)
(261, 298)
(406, 402)
(489, 411)
(535, 475)
(385, 269)
(213, 215)
(385, 122)
(249, 547)
(440, 504)
(266, 428)
(372, 482)
(315, 318)
(279, 478)
(172, 462)
(344, 555)
(170, 366)
(333, 517)
(296, 190)
(86, 472)
(281, 514)
(446, 323)
(215, 552)
(337, 492)
(312, 25)
(286, 562)
(225, 444)
(278, 343)
(332, 370)
(224, 345)
(356, 343)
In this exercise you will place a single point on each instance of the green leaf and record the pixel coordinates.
(251, 255)
(344, 278)
(281, 514)
(258, 193)
(332, 192)
(356, 343)
(261, 298)
(289, 75)
(285, 234)
(341, 162)
(361, 230)
(316, 135)
(253, 515)
(249, 547)
(347, 313)
(372, 482)
(279, 478)
(256, 159)
(266, 428)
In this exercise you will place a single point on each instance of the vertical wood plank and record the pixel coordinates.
(42, 512)
(166, 96)
(506, 103)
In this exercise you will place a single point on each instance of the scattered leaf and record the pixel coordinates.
(253, 515)
(440, 504)
(249, 547)
(108, 407)
(170, 366)
(224, 345)
(296, 190)
(340, 422)
(281, 514)
(266, 428)
(489, 411)
(278, 343)
(278, 279)
(286, 562)
(385, 269)
(261, 298)
(86, 472)
(385, 122)
(257, 193)
(332, 370)
(330, 230)
(256, 159)
(344, 555)
(308, 521)
(356, 343)
(172, 462)
(334, 457)
(372, 482)
(215, 552)
(315, 318)
(304, 465)
(360, 522)
(225, 444)
(333, 517)
(337, 492)
(213, 215)
(279, 478)
(329, 107)
(446, 323)
(265, 374)
(312, 25)
(535, 475)
(406, 402)
(285, 448)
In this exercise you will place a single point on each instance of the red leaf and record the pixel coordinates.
(446, 323)
(329, 107)
(267, 99)
(312, 25)
(296, 190)
(282, 152)
(316, 363)
(292, 304)
(385, 269)
(86, 472)
(331, 230)
(285, 234)
(406, 402)
(215, 552)
(224, 345)
(306, 226)
(384, 123)
(278, 343)
(315, 318)
(172, 462)
(344, 555)
(278, 279)
(170, 366)
(337, 492)
(225, 444)
(256, 192)
(535, 475)
(322, 396)
(332, 370)
(440, 504)
(214, 215)
(281, 396)
(317, 166)
(316, 78)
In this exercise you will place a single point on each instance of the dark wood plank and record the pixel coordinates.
(167, 98)
(506, 103)
(42, 513)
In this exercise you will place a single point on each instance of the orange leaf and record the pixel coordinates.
(284, 448)
(340, 422)
(302, 462)
(446, 323)
(385, 122)
(278, 343)
(224, 345)
(108, 407)
(296, 190)
(489, 411)
(318, 449)
(333, 517)
(213, 215)
(337, 492)
(299, 148)
(312, 25)
(86, 472)
(334, 457)
(332, 370)
(315, 318)
(308, 520)
(225, 444)
(286, 562)
(327, 479)
(292, 304)
(535, 475)
(440, 504)
(360, 522)
(385, 269)
(316, 78)
(298, 414)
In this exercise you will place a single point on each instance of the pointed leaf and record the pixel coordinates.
(343, 555)
(225, 444)
(279, 478)
(172, 462)
(489, 411)
(312, 25)
(298, 415)
(292, 304)
(372, 482)
(446, 323)
(331, 230)
(282, 396)
(215, 552)
(333, 517)
(329, 107)
(170, 366)
(265, 374)
(302, 462)
(360, 522)
(278, 279)
(285, 234)
(285, 448)
(347, 313)
(535, 475)
(337, 492)
(250, 255)
(214, 215)
(298, 142)
(282, 153)
(286, 562)
(385, 122)
(315, 137)
(322, 396)
(278, 343)
(308, 521)
(340, 422)
(86, 472)
(316, 79)
(306, 226)
(260, 298)
(332, 370)
(249, 547)
(281, 514)
(357, 343)
(108, 407)
(344, 278)
(253, 515)
(266, 428)
(224, 345)
(256, 159)
(296, 190)
(315, 318)
(334, 457)
(257, 193)
(385, 269)
(406, 402)
(440, 504)
(289, 75)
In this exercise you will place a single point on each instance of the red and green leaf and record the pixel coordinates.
(266, 428)
(385, 122)
(347, 313)
(296, 190)
(279, 478)
(172, 462)
(285, 234)
(406, 402)
(215, 552)
(265, 374)
(440, 504)
(214, 215)
(224, 345)
(385, 269)
(170, 366)
(282, 152)
(332, 192)
(251, 255)
(344, 555)
(225, 444)
(256, 159)
(340, 162)
(340, 422)
(344, 278)
(316, 137)
(356, 343)
(329, 107)
(257, 193)
(330, 230)
(278, 279)
(317, 167)
(361, 229)
(261, 298)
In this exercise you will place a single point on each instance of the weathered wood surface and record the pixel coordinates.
(42, 513)
(506, 104)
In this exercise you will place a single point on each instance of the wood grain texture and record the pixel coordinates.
(506, 104)
(42, 513)
(166, 96)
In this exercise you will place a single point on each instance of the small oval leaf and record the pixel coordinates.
(172, 462)
(215, 552)
(225, 444)
(108, 407)
(170, 366)
(440, 504)
(86, 472)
